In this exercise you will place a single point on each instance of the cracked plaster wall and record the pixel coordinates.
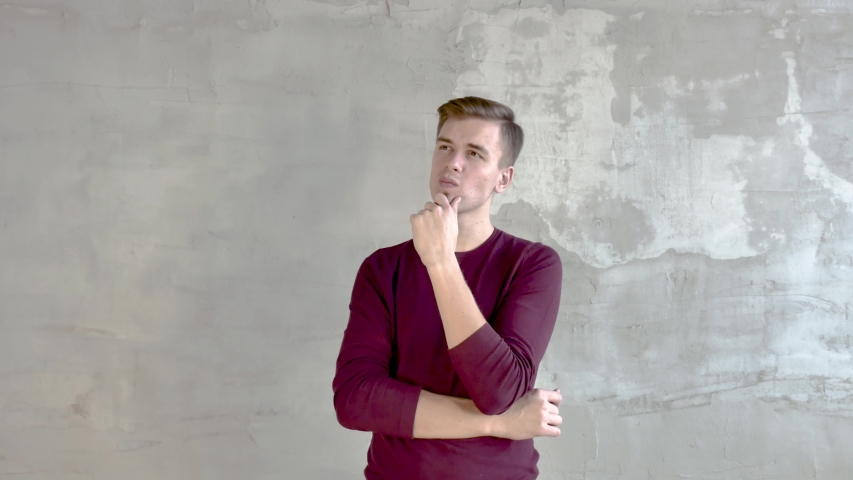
(187, 189)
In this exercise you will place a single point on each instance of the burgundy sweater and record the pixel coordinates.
(394, 345)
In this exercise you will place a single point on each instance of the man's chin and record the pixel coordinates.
(450, 196)
(447, 194)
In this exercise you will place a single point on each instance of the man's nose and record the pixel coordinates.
(456, 160)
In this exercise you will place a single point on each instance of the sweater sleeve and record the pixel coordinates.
(365, 396)
(498, 363)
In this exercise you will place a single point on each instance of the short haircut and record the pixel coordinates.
(512, 135)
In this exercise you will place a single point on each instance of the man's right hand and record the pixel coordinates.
(533, 415)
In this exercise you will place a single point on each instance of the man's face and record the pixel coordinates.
(467, 154)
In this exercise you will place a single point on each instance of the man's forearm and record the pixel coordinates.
(439, 416)
(459, 312)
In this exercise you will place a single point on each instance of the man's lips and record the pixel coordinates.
(446, 182)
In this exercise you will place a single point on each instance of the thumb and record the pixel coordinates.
(455, 203)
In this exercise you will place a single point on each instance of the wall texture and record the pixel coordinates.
(188, 187)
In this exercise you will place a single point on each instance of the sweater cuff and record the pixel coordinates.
(409, 405)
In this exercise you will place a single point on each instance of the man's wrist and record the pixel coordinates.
(493, 426)
(447, 263)
(486, 425)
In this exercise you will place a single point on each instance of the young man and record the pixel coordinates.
(446, 331)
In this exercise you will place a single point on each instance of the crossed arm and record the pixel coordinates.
(533, 415)
(439, 416)
(495, 380)
(368, 398)
(496, 360)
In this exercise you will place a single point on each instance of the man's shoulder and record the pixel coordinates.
(527, 249)
(532, 262)
(384, 257)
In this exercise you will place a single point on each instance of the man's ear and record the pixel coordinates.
(505, 179)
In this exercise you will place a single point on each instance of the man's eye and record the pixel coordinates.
(472, 152)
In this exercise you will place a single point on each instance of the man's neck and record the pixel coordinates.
(473, 232)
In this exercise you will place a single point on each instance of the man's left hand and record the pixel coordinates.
(435, 230)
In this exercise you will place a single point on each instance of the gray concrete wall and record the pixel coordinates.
(188, 187)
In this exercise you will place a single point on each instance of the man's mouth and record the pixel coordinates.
(444, 182)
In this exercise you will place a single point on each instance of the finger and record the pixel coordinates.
(551, 408)
(549, 431)
(455, 204)
(554, 420)
(553, 396)
(441, 199)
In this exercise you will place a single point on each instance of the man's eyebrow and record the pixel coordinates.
(471, 145)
